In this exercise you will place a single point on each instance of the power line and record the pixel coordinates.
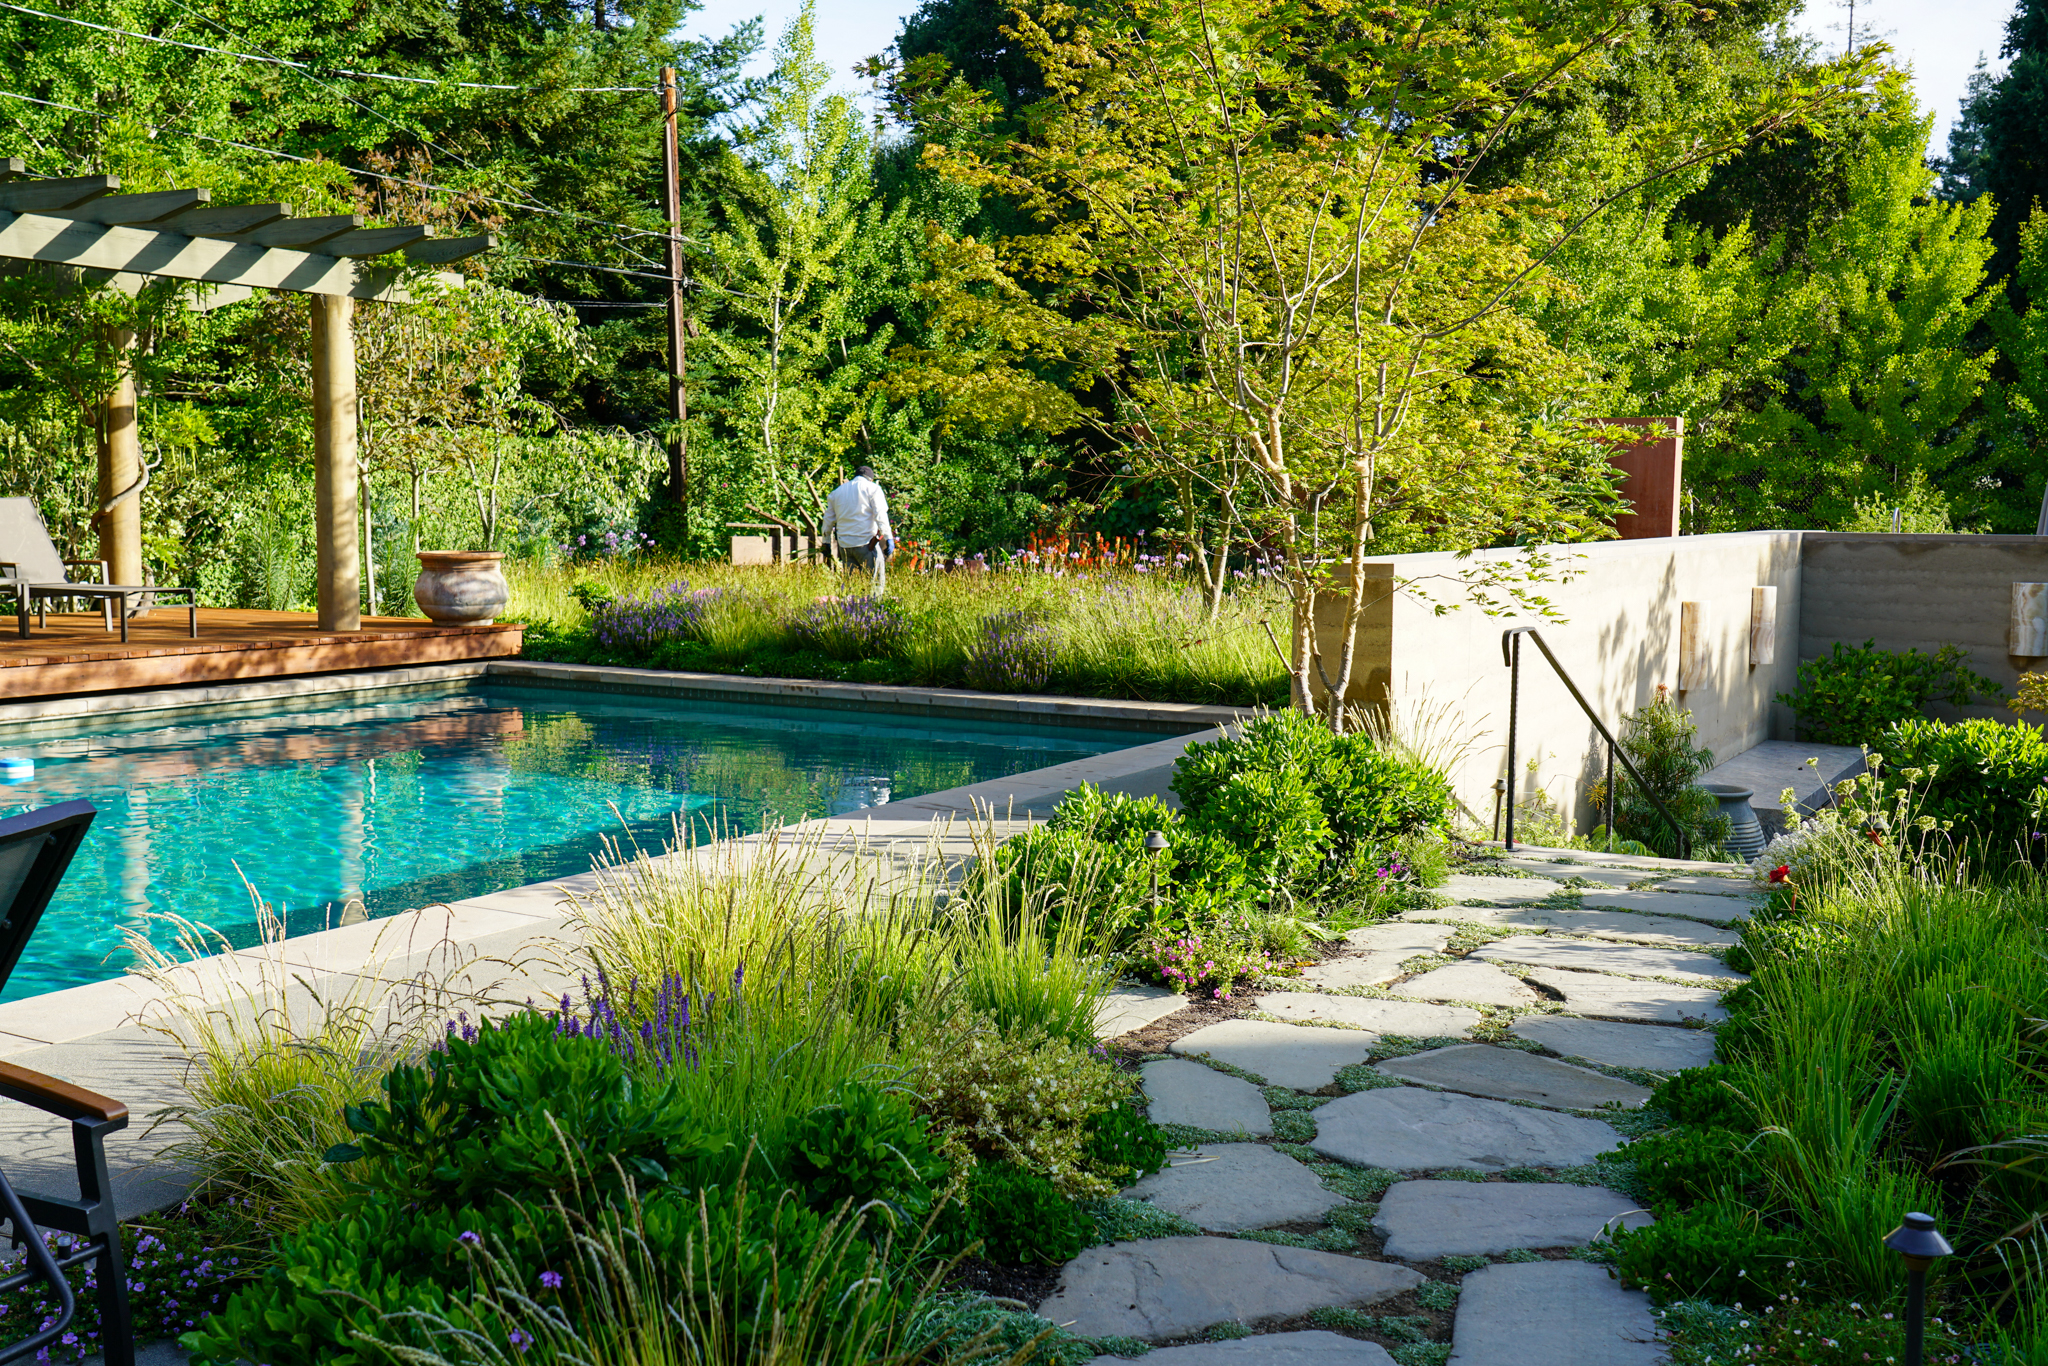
(527, 196)
(338, 71)
(398, 179)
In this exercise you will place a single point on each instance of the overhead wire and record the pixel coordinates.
(407, 180)
(306, 74)
(336, 71)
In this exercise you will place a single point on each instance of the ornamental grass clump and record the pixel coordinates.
(852, 628)
(1014, 652)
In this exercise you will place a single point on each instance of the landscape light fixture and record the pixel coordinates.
(1919, 1245)
(1155, 844)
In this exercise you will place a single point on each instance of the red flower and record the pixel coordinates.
(1876, 837)
(1782, 873)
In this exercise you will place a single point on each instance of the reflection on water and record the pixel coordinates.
(339, 815)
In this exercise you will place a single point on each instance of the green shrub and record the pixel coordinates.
(1122, 1139)
(1013, 1096)
(1705, 1097)
(867, 1146)
(1658, 739)
(1022, 1218)
(1988, 778)
(1718, 1252)
(1850, 696)
(1679, 1168)
(1305, 807)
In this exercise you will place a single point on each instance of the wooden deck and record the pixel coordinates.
(75, 653)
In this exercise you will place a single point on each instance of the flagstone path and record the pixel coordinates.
(1407, 1140)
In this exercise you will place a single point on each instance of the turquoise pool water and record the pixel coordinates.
(424, 798)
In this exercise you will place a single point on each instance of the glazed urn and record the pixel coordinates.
(461, 587)
(1746, 833)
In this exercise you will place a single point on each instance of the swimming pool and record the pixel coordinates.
(370, 807)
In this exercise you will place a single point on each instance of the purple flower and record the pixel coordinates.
(551, 1280)
(468, 1237)
(519, 1339)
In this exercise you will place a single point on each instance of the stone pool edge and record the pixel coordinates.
(87, 712)
(81, 1012)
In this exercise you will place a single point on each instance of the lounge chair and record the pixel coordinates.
(35, 850)
(31, 567)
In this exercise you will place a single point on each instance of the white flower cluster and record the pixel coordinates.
(1804, 849)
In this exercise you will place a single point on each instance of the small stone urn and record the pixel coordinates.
(461, 587)
(1745, 832)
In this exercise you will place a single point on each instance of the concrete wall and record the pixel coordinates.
(1919, 592)
(1618, 640)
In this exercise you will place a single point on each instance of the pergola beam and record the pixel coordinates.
(448, 250)
(215, 260)
(227, 220)
(130, 210)
(41, 196)
(373, 241)
(303, 233)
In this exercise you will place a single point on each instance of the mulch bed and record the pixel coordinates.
(1028, 1285)
(1155, 1037)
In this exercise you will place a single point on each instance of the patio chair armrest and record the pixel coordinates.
(55, 1097)
(106, 574)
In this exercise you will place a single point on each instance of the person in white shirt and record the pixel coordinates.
(857, 525)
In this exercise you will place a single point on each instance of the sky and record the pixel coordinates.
(1939, 39)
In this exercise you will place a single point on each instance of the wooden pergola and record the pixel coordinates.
(85, 224)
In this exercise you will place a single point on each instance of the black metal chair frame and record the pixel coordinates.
(35, 851)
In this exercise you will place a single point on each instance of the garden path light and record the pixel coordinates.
(1155, 843)
(1920, 1246)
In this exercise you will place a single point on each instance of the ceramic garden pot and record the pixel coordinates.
(461, 587)
(1746, 834)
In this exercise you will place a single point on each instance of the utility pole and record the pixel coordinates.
(678, 361)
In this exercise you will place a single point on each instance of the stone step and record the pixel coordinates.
(1302, 1057)
(1510, 1074)
(1229, 1187)
(1497, 891)
(1618, 998)
(1715, 910)
(1623, 925)
(1567, 1313)
(1377, 952)
(1424, 1220)
(1312, 1348)
(1649, 864)
(1412, 1019)
(1637, 960)
(1481, 983)
(1172, 1287)
(1606, 877)
(1178, 1092)
(1711, 886)
(1660, 1048)
(1405, 1129)
(1129, 1008)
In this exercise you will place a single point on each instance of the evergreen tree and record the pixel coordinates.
(2005, 132)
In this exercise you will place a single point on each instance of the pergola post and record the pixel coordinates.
(119, 527)
(334, 461)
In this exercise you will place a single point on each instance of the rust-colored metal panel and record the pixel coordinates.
(1655, 470)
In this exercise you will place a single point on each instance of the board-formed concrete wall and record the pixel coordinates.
(1618, 638)
(1919, 592)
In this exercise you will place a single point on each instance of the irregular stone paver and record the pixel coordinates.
(1498, 891)
(1406, 1129)
(1299, 1056)
(1315, 1348)
(1411, 1018)
(1169, 1287)
(1657, 1047)
(1711, 886)
(1510, 1074)
(1637, 959)
(1189, 1093)
(1230, 1186)
(1715, 910)
(1606, 877)
(1129, 1008)
(1642, 865)
(1601, 924)
(1381, 949)
(1616, 998)
(1469, 981)
(1565, 1313)
(1424, 1220)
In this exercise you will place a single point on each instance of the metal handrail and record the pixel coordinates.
(1511, 655)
